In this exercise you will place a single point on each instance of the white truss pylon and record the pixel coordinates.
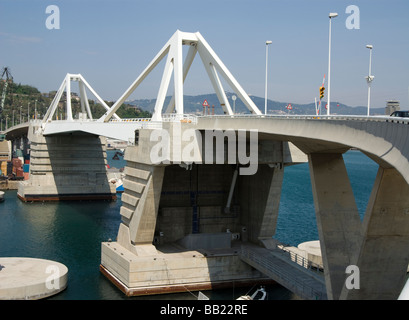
(173, 49)
(66, 86)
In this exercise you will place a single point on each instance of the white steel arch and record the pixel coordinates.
(174, 64)
(66, 86)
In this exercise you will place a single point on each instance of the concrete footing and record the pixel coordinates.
(31, 279)
(175, 269)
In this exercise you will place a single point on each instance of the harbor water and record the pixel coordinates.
(71, 232)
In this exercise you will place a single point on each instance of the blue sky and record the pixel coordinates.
(110, 42)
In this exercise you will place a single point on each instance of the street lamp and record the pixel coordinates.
(369, 78)
(265, 103)
(234, 103)
(331, 15)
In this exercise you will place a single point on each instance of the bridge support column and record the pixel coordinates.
(378, 246)
(261, 195)
(67, 167)
(183, 223)
(338, 222)
(139, 211)
(384, 256)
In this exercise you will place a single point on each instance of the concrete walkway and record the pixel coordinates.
(301, 281)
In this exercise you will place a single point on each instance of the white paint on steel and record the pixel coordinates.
(173, 50)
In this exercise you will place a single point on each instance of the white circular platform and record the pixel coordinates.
(30, 278)
(312, 247)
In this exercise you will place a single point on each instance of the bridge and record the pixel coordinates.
(190, 178)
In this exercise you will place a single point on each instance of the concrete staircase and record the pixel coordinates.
(136, 179)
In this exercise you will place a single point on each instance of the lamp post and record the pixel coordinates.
(331, 15)
(234, 103)
(370, 77)
(265, 103)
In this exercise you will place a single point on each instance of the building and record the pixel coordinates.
(391, 106)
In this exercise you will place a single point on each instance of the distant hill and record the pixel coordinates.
(193, 104)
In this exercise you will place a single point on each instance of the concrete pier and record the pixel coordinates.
(30, 278)
(377, 246)
(182, 225)
(67, 167)
(383, 255)
(338, 222)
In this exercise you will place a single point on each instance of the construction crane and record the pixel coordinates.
(8, 78)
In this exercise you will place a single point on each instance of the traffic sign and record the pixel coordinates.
(205, 103)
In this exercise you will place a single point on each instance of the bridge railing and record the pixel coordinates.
(174, 117)
(131, 120)
(167, 117)
(299, 259)
(315, 117)
(191, 118)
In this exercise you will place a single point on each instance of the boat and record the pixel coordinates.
(116, 177)
(119, 186)
(259, 294)
(1, 196)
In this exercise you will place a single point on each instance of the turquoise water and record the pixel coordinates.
(72, 232)
(296, 220)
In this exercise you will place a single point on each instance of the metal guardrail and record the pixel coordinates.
(300, 260)
(174, 117)
(282, 275)
(316, 117)
(130, 120)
